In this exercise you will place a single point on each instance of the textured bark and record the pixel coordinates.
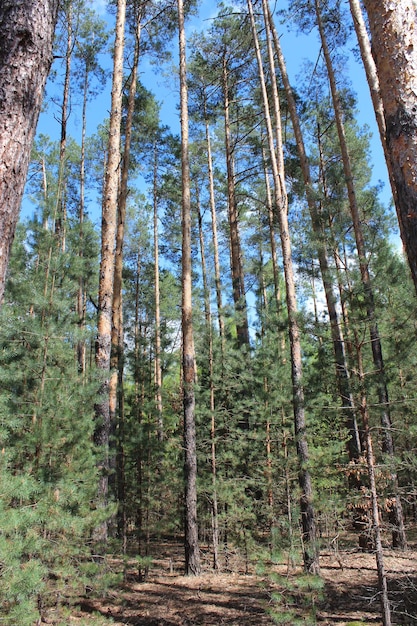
(26, 37)
(105, 295)
(192, 550)
(393, 27)
(310, 551)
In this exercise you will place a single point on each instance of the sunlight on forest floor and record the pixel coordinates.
(167, 598)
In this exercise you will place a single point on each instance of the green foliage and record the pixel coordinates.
(297, 600)
(48, 477)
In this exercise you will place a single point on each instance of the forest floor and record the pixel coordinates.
(167, 598)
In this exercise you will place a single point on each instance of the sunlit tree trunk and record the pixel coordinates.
(393, 27)
(192, 551)
(106, 281)
(310, 550)
(26, 38)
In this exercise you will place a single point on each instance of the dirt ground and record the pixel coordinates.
(167, 598)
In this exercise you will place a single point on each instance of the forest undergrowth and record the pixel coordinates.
(260, 592)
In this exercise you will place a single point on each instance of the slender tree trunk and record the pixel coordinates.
(342, 371)
(158, 368)
(60, 207)
(209, 330)
(192, 551)
(26, 38)
(106, 282)
(239, 295)
(393, 28)
(376, 346)
(376, 526)
(117, 339)
(214, 229)
(81, 297)
(311, 557)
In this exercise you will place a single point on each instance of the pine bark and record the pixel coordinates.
(393, 27)
(310, 551)
(192, 550)
(26, 37)
(106, 280)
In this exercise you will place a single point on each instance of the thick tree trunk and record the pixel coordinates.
(192, 551)
(393, 27)
(311, 556)
(26, 38)
(105, 295)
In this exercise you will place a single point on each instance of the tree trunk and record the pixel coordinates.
(106, 282)
(60, 214)
(117, 339)
(214, 230)
(376, 346)
(342, 372)
(393, 27)
(158, 368)
(310, 551)
(192, 551)
(209, 330)
(239, 296)
(26, 38)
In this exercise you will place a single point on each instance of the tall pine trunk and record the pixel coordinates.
(192, 550)
(106, 282)
(310, 551)
(26, 38)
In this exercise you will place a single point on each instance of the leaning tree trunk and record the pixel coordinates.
(342, 372)
(105, 295)
(393, 27)
(376, 346)
(192, 551)
(26, 38)
(311, 556)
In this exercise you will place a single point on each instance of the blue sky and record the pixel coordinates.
(296, 47)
